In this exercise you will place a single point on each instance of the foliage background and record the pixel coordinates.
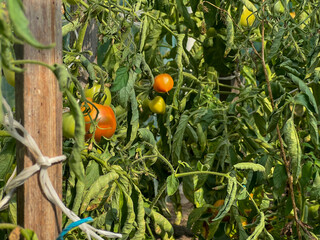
(223, 136)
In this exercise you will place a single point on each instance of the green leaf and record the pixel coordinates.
(75, 160)
(303, 99)
(143, 30)
(172, 185)
(274, 120)
(257, 231)
(231, 196)
(21, 24)
(202, 137)
(292, 140)
(89, 67)
(122, 76)
(161, 225)
(99, 186)
(147, 136)
(194, 5)
(249, 5)
(28, 234)
(133, 120)
(274, 51)
(242, 233)
(230, 33)
(315, 190)
(92, 173)
(304, 88)
(7, 157)
(306, 173)
(112, 57)
(249, 165)
(313, 128)
(128, 212)
(63, 76)
(279, 179)
(196, 215)
(178, 136)
(138, 202)
(190, 23)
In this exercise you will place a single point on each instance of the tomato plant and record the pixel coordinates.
(240, 127)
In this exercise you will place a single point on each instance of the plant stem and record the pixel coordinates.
(228, 86)
(33, 62)
(185, 174)
(161, 191)
(161, 23)
(162, 157)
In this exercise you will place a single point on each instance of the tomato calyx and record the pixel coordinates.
(98, 93)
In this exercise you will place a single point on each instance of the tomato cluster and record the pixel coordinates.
(163, 83)
(101, 115)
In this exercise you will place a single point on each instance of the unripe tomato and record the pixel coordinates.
(106, 120)
(247, 17)
(9, 75)
(94, 91)
(163, 83)
(157, 105)
(68, 125)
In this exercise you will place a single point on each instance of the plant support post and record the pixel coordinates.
(39, 109)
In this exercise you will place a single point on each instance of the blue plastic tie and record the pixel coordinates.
(73, 225)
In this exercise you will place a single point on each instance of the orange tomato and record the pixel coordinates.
(218, 203)
(163, 83)
(105, 118)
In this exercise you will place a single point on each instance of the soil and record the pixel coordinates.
(181, 232)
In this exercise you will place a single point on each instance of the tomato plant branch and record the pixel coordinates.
(26, 61)
(161, 23)
(186, 174)
(162, 157)
(156, 199)
(282, 150)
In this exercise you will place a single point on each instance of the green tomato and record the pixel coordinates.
(9, 75)
(68, 125)
(94, 93)
(119, 110)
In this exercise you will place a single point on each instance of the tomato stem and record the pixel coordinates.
(33, 62)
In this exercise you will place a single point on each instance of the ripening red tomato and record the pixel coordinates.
(163, 83)
(105, 117)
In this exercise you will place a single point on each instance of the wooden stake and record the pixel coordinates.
(39, 108)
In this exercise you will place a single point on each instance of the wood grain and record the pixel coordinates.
(39, 108)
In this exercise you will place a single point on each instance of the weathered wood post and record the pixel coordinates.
(39, 108)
